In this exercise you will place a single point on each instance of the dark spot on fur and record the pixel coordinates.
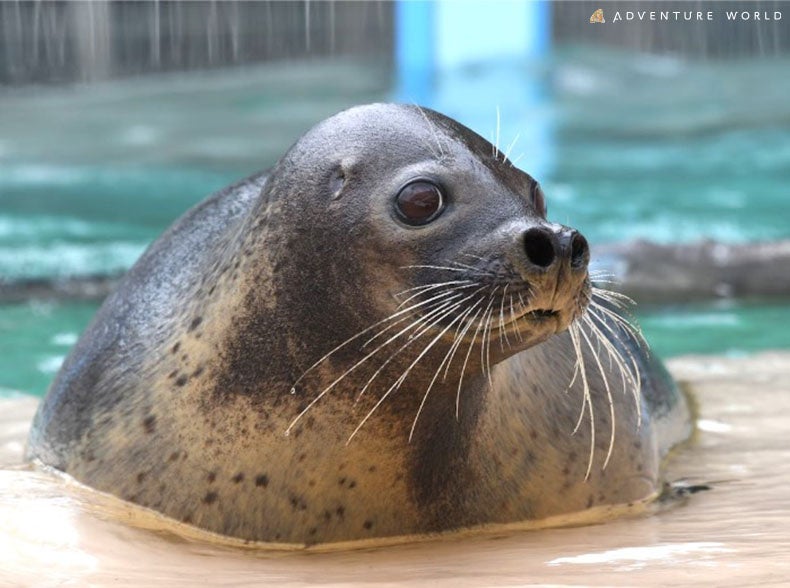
(197, 372)
(302, 457)
(298, 503)
(211, 290)
(566, 471)
(181, 381)
(238, 478)
(327, 515)
(210, 497)
(187, 519)
(149, 423)
(184, 357)
(262, 480)
(195, 323)
(140, 477)
(277, 537)
(313, 531)
(572, 457)
(211, 477)
(352, 484)
(368, 525)
(311, 483)
(533, 434)
(172, 374)
(341, 481)
(372, 469)
(176, 347)
(173, 456)
(590, 501)
(340, 511)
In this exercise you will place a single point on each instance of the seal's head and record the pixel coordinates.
(436, 218)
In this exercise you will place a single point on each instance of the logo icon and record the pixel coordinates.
(597, 16)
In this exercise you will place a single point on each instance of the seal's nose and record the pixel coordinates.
(544, 246)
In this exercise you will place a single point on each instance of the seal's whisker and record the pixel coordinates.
(424, 329)
(446, 292)
(514, 318)
(626, 372)
(512, 144)
(523, 304)
(604, 280)
(621, 300)
(633, 331)
(403, 376)
(389, 390)
(486, 339)
(631, 372)
(432, 286)
(446, 359)
(460, 333)
(473, 256)
(436, 267)
(635, 377)
(469, 267)
(429, 303)
(594, 273)
(496, 143)
(393, 316)
(609, 399)
(502, 329)
(432, 128)
(516, 160)
(368, 356)
(586, 397)
(466, 361)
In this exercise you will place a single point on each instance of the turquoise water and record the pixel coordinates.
(626, 146)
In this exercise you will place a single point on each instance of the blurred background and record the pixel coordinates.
(115, 117)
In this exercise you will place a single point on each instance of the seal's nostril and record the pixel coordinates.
(580, 251)
(539, 247)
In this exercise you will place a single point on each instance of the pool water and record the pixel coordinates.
(626, 146)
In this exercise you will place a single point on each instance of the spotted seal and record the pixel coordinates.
(383, 336)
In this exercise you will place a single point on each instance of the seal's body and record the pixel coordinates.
(384, 336)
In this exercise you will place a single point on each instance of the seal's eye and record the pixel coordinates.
(420, 202)
(539, 200)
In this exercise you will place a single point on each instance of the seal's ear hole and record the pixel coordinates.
(337, 182)
(419, 202)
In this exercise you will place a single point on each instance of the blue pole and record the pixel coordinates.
(415, 55)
